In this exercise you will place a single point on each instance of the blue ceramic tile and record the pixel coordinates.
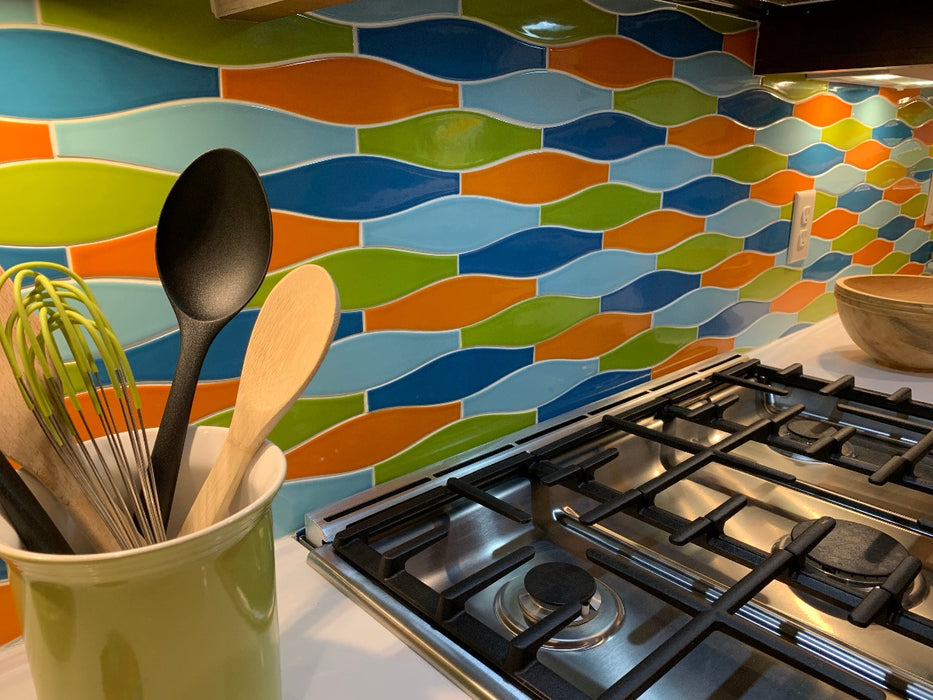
(771, 239)
(922, 175)
(853, 93)
(765, 329)
(743, 219)
(859, 198)
(14, 255)
(451, 377)
(826, 267)
(531, 252)
(788, 136)
(537, 97)
(670, 33)
(706, 195)
(892, 133)
(796, 327)
(371, 359)
(912, 240)
(530, 387)
(599, 387)
(734, 319)
(454, 49)
(376, 11)
(650, 292)
(716, 74)
(604, 136)
(695, 307)
(923, 253)
(57, 75)
(755, 108)
(351, 323)
(596, 274)
(896, 228)
(660, 168)
(299, 496)
(345, 188)
(816, 159)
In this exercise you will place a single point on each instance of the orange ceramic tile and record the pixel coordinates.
(694, 352)
(611, 61)
(442, 306)
(132, 255)
(741, 45)
(924, 133)
(24, 141)
(341, 89)
(535, 178)
(737, 270)
(798, 296)
(902, 190)
(781, 187)
(899, 97)
(9, 620)
(873, 252)
(349, 446)
(711, 136)
(297, 238)
(655, 231)
(867, 155)
(834, 223)
(911, 268)
(592, 336)
(822, 110)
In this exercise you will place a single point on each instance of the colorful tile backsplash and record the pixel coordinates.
(526, 206)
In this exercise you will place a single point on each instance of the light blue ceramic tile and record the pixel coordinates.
(818, 248)
(874, 111)
(660, 168)
(765, 329)
(743, 219)
(530, 387)
(360, 362)
(536, 97)
(596, 274)
(839, 179)
(17, 11)
(716, 74)
(299, 496)
(171, 136)
(910, 152)
(631, 7)
(450, 225)
(695, 307)
(788, 136)
(879, 213)
(378, 11)
(845, 271)
(138, 310)
(912, 240)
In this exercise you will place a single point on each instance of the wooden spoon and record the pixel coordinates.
(293, 331)
(22, 440)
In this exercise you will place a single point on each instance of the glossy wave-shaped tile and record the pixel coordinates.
(655, 231)
(137, 310)
(878, 214)
(450, 378)
(593, 336)
(711, 136)
(859, 198)
(853, 94)
(725, 24)
(534, 178)
(874, 111)
(823, 109)
(912, 240)
(451, 48)
(701, 349)
(716, 74)
(733, 320)
(839, 179)
(309, 416)
(670, 33)
(631, 7)
(297, 238)
(350, 323)
(384, 11)
(885, 174)
(14, 12)
(867, 155)
(130, 255)
(794, 87)
(529, 322)
(873, 253)
(451, 140)
(816, 159)
(892, 133)
(750, 164)
(915, 113)
(827, 266)
(770, 284)
(910, 152)
(818, 309)
(359, 362)
(695, 307)
(42, 68)
(298, 496)
(343, 188)
(537, 97)
(614, 62)
(700, 252)
(603, 136)
(451, 225)
(771, 239)
(531, 252)
(169, 137)
(600, 208)
(596, 274)
(781, 187)
(706, 195)
(847, 134)
(530, 387)
(24, 141)
(650, 292)
(602, 385)
(14, 255)
(755, 108)
(766, 329)
(737, 270)
(660, 168)
(93, 201)
(546, 22)
(787, 136)
(648, 349)
(189, 30)
(665, 102)
(797, 297)
(892, 263)
(896, 228)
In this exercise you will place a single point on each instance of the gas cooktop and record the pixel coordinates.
(732, 530)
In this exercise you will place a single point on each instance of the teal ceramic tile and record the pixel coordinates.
(787, 136)
(840, 179)
(874, 111)
(660, 168)
(530, 387)
(597, 273)
(879, 213)
(716, 74)
(17, 11)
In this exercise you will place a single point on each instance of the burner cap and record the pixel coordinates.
(808, 429)
(556, 583)
(855, 552)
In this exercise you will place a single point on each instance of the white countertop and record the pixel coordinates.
(332, 648)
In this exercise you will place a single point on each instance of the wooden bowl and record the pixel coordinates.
(890, 317)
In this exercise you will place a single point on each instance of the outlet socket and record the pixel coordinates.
(801, 221)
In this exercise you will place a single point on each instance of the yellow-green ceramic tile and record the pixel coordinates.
(818, 309)
(794, 87)
(700, 252)
(665, 102)
(915, 206)
(885, 174)
(891, 263)
(544, 21)
(855, 239)
(916, 113)
(530, 321)
(648, 348)
(824, 203)
(846, 134)
(750, 164)
(770, 284)
(601, 207)
(724, 24)
(449, 140)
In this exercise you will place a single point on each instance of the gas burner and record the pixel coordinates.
(807, 431)
(522, 602)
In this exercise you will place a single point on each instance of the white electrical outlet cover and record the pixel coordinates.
(801, 221)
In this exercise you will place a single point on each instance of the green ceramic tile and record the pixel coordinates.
(601, 207)
(665, 102)
(787, 211)
(770, 284)
(20, 11)
(63, 202)
(915, 206)
(371, 276)
(846, 134)
(187, 29)
(452, 440)
(750, 164)
(700, 252)
(818, 309)
(648, 349)
(530, 322)
(824, 203)
(305, 418)
(855, 239)
(795, 87)
(885, 174)
(724, 24)
(916, 113)
(544, 21)
(449, 140)
(891, 263)
(923, 164)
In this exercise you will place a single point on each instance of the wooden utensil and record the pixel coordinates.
(293, 331)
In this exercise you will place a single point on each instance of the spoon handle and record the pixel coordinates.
(26, 514)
